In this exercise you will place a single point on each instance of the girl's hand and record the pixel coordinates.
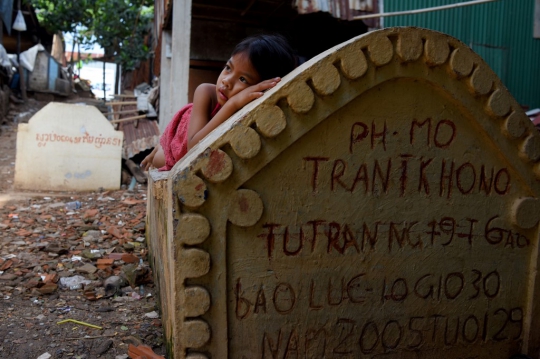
(148, 161)
(251, 93)
(200, 125)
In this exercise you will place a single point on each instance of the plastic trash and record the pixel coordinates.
(79, 322)
(75, 282)
(152, 315)
(113, 285)
(73, 205)
(19, 24)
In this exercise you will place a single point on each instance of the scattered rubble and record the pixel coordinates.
(74, 279)
(71, 274)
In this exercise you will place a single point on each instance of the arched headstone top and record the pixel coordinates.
(310, 93)
(387, 183)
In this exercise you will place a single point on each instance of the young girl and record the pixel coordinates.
(256, 65)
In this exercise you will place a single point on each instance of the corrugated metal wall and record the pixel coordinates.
(501, 32)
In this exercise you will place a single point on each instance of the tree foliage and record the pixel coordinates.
(119, 26)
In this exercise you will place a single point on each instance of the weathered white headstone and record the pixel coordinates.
(66, 147)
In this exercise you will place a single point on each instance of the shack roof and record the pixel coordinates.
(268, 11)
(33, 35)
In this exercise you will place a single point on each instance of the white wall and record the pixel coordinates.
(93, 71)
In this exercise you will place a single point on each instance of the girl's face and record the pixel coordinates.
(237, 75)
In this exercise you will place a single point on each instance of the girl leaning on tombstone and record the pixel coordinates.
(256, 65)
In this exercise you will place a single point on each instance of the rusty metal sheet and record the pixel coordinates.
(138, 139)
(361, 5)
(139, 135)
(342, 9)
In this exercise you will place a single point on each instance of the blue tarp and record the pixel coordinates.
(6, 12)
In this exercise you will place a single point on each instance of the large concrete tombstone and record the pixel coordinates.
(67, 147)
(381, 201)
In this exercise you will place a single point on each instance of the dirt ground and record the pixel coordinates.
(74, 283)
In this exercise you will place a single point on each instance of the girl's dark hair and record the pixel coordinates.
(270, 54)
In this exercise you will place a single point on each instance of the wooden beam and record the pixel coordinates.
(121, 103)
(120, 112)
(127, 119)
(125, 96)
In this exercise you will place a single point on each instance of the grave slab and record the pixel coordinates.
(381, 202)
(67, 147)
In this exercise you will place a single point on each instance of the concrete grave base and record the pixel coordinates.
(67, 147)
(381, 201)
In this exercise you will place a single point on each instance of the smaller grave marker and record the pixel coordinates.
(67, 147)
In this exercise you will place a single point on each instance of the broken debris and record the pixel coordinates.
(78, 267)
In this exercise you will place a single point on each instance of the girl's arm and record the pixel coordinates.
(156, 158)
(203, 100)
(200, 123)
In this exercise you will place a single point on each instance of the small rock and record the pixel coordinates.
(32, 283)
(114, 231)
(104, 309)
(129, 272)
(132, 340)
(128, 246)
(57, 205)
(56, 248)
(8, 276)
(130, 258)
(104, 346)
(48, 288)
(91, 254)
(44, 356)
(90, 213)
(140, 226)
(124, 299)
(116, 256)
(152, 315)
(87, 268)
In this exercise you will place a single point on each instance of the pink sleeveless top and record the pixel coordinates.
(174, 139)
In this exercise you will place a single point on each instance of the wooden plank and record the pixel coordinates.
(121, 103)
(124, 96)
(128, 119)
(120, 112)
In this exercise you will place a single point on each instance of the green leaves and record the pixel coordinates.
(63, 15)
(119, 26)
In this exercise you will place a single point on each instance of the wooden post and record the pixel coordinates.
(71, 63)
(22, 83)
(165, 112)
(104, 93)
(175, 63)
